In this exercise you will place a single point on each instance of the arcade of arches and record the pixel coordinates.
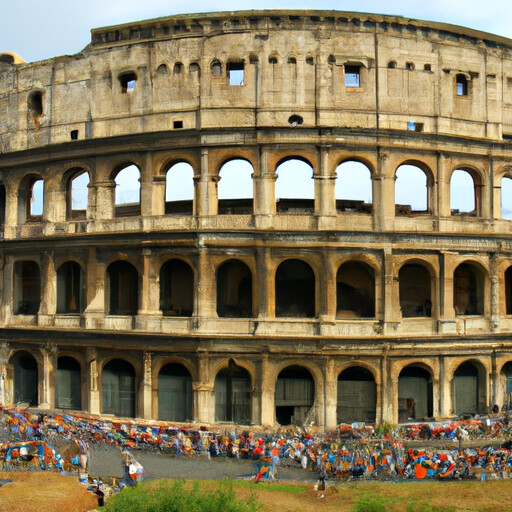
(253, 391)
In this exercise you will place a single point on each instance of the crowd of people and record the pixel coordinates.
(61, 442)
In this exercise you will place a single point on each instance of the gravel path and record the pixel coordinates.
(105, 461)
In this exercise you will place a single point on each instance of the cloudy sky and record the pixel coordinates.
(37, 30)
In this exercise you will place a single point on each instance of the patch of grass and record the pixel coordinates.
(370, 503)
(423, 506)
(178, 496)
(286, 488)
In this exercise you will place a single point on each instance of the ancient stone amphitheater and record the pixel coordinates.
(260, 217)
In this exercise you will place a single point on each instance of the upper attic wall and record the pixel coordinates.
(294, 63)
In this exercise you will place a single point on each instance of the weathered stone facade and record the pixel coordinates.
(264, 307)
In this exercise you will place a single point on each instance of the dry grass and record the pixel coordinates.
(44, 492)
(50, 492)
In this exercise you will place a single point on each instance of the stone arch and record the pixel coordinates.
(353, 187)
(235, 187)
(127, 178)
(25, 377)
(508, 290)
(357, 395)
(234, 289)
(293, 193)
(469, 280)
(504, 390)
(76, 183)
(415, 392)
(70, 288)
(295, 289)
(26, 287)
(176, 288)
(31, 195)
(118, 388)
(355, 290)
(469, 383)
(466, 191)
(233, 394)
(179, 188)
(413, 187)
(122, 288)
(294, 395)
(415, 289)
(175, 395)
(506, 197)
(68, 390)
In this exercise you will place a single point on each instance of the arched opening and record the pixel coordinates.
(353, 187)
(411, 190)
(355, 290)
(415, 291)
(233, 392)
(176, 288)
(295, 289)
(78, 195)
(234, 290)
(179, 189)
(508, 290)
(295, 396)
(27, 288)
(463, 193)
(2, 206)
(468, 389)
(506, 381)
(70, 285)
(122, 288)
(35, 103)
(357, 396)
(118, 388)
(468, 290)
(127, 193)
(235, 189)
(69, 387)
(30, 199)
(506, 198)
(25, 378)
(294, 187)
(216, 68)
(415, 394)
(175, 397)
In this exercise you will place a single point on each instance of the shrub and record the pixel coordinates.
(370, 503)
(177, 496)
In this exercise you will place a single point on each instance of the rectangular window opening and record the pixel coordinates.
(236, 73)
(412, 126)
(352, 76)
(177, 125)
(74, 134)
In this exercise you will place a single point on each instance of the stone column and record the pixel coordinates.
(267, 392)
(494, 309)
(203, 393)
(391, 294)
(325, 201)
(6, 376)
(158, 197)
(93, 378)
(105, 206)
(331, 398)
(147, 386)
(264, 192)
(445, 390)
(48, 305)
(264, 284)
(49, 376)
(95, 291)
(149, 296)
(11, 208)
(206, 188)
(327, 289)
(206, 289)
(384, 194)
(443, 185)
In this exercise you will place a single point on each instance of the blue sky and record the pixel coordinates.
(38, 30)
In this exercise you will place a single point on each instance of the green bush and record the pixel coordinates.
(370, 503)
(423, 506)
(177, 496)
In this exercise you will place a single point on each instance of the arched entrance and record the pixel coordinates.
(415, 394)
(25, 378)
(234, 290)
(357, 396)
(294, 395)
(506, 379)
(118, 388)
(468, 389)
(233, 395)
(295, 289)
(175, 397)
(69, 390)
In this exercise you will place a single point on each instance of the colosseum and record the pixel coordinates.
(259, 217)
